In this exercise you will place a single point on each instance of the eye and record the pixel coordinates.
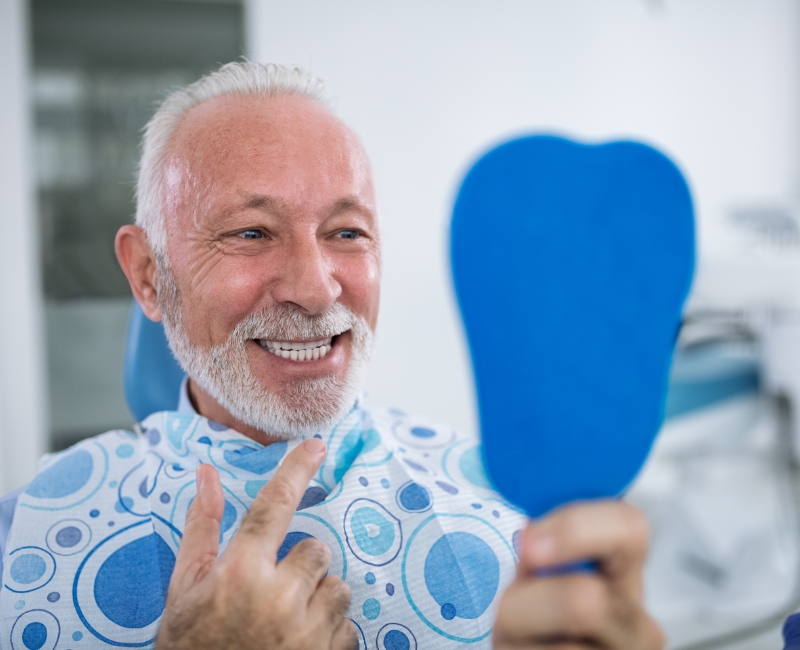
(348, 234)
(251, 234)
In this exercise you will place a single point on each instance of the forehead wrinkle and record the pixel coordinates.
(274, 205)
(201, 156)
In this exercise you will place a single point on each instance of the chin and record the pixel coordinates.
(304, 408)
(250, 376)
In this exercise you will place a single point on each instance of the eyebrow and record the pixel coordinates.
(266, 203)
(349, 203)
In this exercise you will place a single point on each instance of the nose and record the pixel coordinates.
(307, 281)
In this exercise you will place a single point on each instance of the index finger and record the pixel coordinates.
(612, 533)
(271, 513)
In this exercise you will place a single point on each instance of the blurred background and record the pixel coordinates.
(428, 86)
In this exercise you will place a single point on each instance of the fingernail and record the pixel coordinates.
(314, 445)
(200, 477)
(542, 548)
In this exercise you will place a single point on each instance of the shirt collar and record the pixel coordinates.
(184, 402)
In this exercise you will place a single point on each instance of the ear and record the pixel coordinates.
(139, 265)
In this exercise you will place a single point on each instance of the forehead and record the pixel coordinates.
(287, 146)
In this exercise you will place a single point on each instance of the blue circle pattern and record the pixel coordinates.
(371, 609)
(34, 636)
(395, 636)
(36, 629)
(153, 436)
(131, 585)
(471, 466)
(413, 497)
(464, 590)
(68, 536)
(65, 477)
(27, 568)
(125, 451)
(290, 541)
(229, 516)
(373, 534)
(458, 570)
(313, 495)
(396, 640)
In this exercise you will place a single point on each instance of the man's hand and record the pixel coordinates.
(580, 610)
(244, 599)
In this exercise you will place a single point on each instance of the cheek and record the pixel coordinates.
(218, 302)
(361, 284)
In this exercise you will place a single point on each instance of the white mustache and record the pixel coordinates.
(283, 323)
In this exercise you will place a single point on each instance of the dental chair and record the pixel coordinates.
(720, 491)
(152, 375)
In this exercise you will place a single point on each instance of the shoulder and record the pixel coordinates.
(418, 432)
(436, 466)
(86, 463)
(450, 457)
(9, 498)
(8, 504)
(109, 442)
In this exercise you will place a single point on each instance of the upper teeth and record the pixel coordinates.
(298, 351)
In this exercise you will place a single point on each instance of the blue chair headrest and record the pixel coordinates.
(152, 376)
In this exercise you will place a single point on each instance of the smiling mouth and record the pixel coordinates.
(298, 350)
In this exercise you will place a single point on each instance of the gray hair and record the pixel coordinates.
(239, 78)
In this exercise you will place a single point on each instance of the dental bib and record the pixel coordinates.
(425, 544)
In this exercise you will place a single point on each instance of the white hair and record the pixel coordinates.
(238, 78)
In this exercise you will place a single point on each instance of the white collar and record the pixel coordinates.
(184, 401)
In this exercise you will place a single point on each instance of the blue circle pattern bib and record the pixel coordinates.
(413, 524)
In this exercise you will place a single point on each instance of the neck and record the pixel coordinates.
(209, 408)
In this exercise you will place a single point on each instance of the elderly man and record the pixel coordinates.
(274, 510)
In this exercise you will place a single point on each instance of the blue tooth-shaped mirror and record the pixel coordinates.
(571, 265)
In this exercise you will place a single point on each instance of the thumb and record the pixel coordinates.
(200, 541)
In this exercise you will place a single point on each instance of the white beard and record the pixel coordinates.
(300, 408)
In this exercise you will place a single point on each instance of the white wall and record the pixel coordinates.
(23, 400)
(429, 85)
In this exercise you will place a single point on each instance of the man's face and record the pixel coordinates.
(271, 220)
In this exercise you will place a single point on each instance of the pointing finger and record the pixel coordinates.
(271, 513)
(200, 541)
